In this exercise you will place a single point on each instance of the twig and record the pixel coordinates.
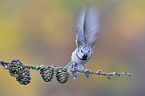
(99, 72)
(16, 68)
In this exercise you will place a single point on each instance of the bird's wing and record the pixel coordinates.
(80, 27)
(92, 25)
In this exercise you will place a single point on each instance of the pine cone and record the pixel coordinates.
(24, 78)
(47, 73)
(62, 75)
(15, 67)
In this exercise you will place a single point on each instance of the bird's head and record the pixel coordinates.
(84, 52)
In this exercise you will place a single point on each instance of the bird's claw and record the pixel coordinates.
(90, 71)
(87, 72)
(75, 69)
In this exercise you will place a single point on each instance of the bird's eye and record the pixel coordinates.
(82, 51)
(89, 51)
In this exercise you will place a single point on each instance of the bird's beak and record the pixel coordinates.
(84, 56)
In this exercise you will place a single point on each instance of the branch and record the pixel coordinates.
(99, 72)
(22, 72)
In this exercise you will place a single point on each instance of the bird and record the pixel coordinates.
(87, 28)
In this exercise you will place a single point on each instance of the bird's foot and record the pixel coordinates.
(87, 72)
(74, 73)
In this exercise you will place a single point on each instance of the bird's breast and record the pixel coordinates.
(77, 60)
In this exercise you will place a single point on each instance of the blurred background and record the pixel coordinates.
(43, 32)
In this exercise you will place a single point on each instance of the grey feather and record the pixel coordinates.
(80, 27)
(92, 25)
